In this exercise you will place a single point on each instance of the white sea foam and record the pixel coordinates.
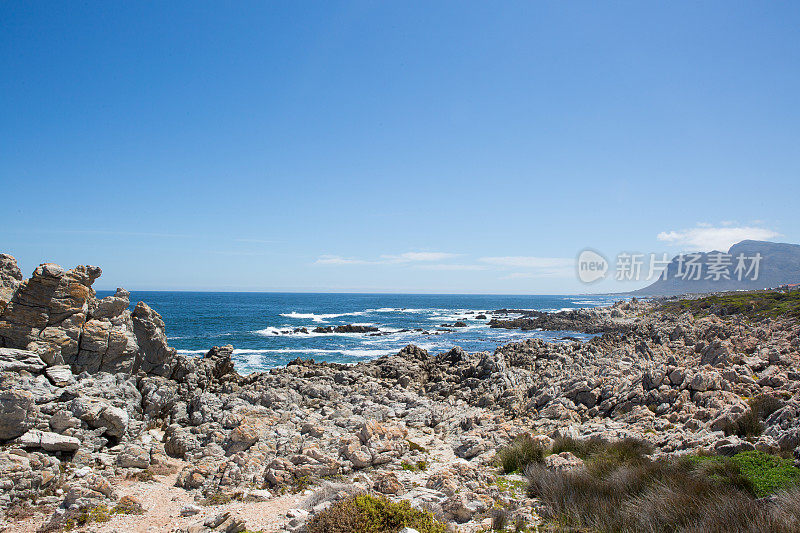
(270, 331)
(320, 351)
(321, 317)
(403, 310)
(289, 331)
(253, 354)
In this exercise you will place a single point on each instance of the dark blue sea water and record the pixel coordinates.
(260, 325)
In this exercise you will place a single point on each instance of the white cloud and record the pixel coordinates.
(706, 238)
(544, 273)
(409, 257)
(338, 260)
(518, 261)
(257, 241)
(535, 267)
(404, 258)
(444, 266)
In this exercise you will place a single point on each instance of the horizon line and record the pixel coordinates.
(376, 292)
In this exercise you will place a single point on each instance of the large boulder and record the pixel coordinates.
(48, 441)
(55, 313)
(155, 355)
(10, 278)
(49, 309)
(18, 413)
(110, 306)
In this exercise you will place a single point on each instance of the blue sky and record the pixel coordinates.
(392, 146)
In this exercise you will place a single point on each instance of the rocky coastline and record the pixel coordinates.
(104, 426)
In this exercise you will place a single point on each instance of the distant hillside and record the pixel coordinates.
(779, 264)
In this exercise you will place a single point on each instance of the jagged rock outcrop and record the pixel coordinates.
(55, 314)
(10, 278)
(155, 355)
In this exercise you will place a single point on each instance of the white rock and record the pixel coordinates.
(190, 510)
(297, 513)
(51, 442)
(60, 375)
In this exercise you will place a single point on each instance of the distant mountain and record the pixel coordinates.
(779, 264)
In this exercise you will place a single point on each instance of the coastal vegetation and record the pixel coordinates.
(620, 487)
(754, 305)
(373, 514)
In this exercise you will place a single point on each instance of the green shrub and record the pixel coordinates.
(746, 426)
(499, 519)
(759, 473)
(414, 467)
(754, 305)
(86, 516)
(765, 404)
(373, 514)
(218, 498)
(767, 473)
(520, 453)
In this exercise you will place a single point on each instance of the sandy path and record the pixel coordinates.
(163, 501)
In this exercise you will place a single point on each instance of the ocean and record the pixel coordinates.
(261, 326)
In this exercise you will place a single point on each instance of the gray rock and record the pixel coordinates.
(111, 306)
(10, 278)
(564, 461)
(190, 510)
(471, 446)
(13, 360)
(63, 420)
(705, 381)
(98, 413)
(51, 442)
(60, 375)
(732, 445)
(156, 357)
(133, 456)
(18, 413)
(115, 421)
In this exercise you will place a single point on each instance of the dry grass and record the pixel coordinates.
(750, 423)
(519, 454)
(623, 490)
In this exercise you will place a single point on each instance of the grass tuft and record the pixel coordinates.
(519, 454)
